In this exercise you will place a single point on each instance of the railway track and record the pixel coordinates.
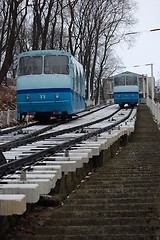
(21, 135)
(57, 139)
(118, 201)
(55, 155)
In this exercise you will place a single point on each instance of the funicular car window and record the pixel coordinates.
(30, 65)
(131, 80)
(56, 64)
(119, 81)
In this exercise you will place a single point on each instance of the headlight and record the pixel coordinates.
(27, 97)
(57, 96)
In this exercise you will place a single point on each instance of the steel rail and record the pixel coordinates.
(18, 164)
(20, 127)
(37, 137)
(15, 128)
(32, 136)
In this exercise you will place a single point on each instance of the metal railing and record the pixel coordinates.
(155, 109)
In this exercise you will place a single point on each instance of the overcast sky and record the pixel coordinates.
(147, 45)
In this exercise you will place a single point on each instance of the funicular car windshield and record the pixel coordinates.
(119, 81)
(56, 64)
(30, 65)
(131, 80)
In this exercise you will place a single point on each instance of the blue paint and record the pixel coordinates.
(51, 92)
(125, 92)
(43, 90)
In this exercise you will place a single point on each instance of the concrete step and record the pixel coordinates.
(93, 230)
(110, 195)
(65, 214)
(92, 237)
(106, 201)
(111, 189)
(149, 169)
(99, 221)
(126, 181)
(110, 206)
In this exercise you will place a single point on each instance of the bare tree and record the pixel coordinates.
(48, 24)
(11, 23)
(88, 29)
